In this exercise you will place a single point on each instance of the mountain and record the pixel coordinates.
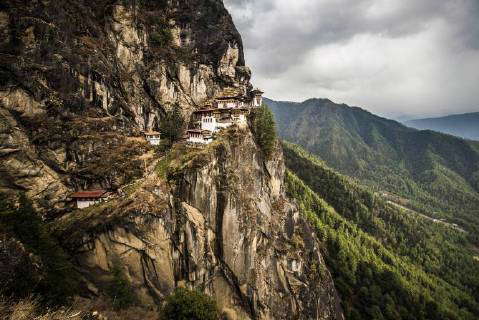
(430, 172)
(80, 82)
(462, 125)
(387, 262)
(79, 78)
(222, 230)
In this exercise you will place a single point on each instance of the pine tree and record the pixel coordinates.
(264, 129)
(171, 126)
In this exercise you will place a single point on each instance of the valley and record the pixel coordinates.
(366, 237)
(399, 203)
(461, 125)
(438, 173)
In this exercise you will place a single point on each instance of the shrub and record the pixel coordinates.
(185, 304)
(18, 269)
(120, 290)
(59, 281)
(264, 129)
(161, 38)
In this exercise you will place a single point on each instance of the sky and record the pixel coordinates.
(396, 58)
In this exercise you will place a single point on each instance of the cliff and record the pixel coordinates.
(216, 219)
(79, 81)
(77, 77)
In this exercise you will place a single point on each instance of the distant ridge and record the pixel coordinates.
(462, 125)
(437, 173)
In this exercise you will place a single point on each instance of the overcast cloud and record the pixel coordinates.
(392, 57)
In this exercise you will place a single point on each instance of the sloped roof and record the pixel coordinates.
(89, 194)
(256, 90)
(198, 131)
(229, 93)
(204, 110)
(152, 133)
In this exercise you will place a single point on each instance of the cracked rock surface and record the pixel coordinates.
(79, 81)
(220, 222)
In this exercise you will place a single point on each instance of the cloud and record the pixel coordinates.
(391, 57)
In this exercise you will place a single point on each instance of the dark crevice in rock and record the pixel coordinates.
(222, 201)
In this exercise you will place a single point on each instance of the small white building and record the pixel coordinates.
(197, 136)
(257, 96)
(84, 199)
(153, 137)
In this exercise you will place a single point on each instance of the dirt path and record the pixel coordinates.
(451, 225)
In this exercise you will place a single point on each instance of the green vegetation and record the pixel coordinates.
(386, 263)
(120, 290)
(160, 34)
(172, 125)
(161, 38)
(57, 281)
(101, 156)
(264, 129)
(436, 174)
(114, 161)
(185, 304)
(181, 158)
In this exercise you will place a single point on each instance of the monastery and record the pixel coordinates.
(231, 107)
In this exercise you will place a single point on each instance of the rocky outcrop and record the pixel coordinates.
(63, 62)
(79, 80)
(220, 222)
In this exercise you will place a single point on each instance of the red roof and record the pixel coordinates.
(89, 194)
(152, 133)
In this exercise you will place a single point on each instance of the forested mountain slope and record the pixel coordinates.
(438, 174)
(462, 125)
(386, 263)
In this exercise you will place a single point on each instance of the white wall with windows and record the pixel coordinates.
(208, 123)
(154, 140)
(85, 203)
(199, 138)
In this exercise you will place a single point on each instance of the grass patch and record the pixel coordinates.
(132, 188)
(182, 157)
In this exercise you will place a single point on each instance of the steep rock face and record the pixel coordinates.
(65, 62)
(221, 223)
(78, 81)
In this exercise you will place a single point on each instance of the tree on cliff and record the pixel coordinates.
(171, 126)
(47, 273)
(264, 128)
